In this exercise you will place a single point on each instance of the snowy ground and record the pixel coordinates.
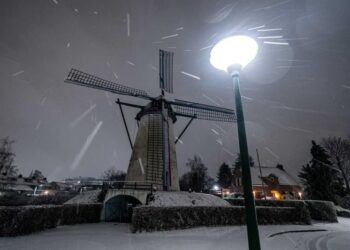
(117, 236)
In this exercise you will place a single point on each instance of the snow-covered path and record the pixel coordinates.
(107, 236)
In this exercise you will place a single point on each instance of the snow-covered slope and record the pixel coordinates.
(174, 199)
(85, 197)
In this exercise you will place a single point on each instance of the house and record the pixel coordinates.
(272, 183)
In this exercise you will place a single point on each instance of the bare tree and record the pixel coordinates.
(339, 151)
(117, 176)
(7, 158)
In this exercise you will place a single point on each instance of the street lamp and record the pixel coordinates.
(232, 55)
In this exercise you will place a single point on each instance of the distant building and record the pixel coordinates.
(275, 182)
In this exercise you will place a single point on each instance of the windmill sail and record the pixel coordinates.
(202, 111)
(84, 79)
(166, 70)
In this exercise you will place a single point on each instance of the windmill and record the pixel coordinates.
(153, 159)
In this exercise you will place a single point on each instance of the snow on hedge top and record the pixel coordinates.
(179, 199)
(85, 197)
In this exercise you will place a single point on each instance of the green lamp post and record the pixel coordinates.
(232, 55)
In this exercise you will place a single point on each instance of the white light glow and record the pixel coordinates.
(233, 50)
(216, 187)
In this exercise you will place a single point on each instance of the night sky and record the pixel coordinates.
(297, 89)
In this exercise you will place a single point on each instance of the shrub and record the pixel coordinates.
(81, 213)
(14, 199)
(319, 210)
(20, 220)
(165, 218)
(28, 219)
(322, 210)
(345, 202)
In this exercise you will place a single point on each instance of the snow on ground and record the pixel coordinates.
(108, 236)
(173, 199)
(85, 197)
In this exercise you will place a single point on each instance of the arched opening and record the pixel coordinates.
(119, 208)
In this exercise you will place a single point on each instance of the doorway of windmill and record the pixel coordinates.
(119, 208)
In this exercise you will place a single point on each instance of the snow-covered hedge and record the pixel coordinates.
(22, 220)
(322, 210)
(81, 213)
(147, 218)
(28, 219)
(345, 202)
(319, 210)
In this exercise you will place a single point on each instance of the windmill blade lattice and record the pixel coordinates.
(202, 111)
(84, 79)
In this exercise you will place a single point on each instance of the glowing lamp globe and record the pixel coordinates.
(234, 50)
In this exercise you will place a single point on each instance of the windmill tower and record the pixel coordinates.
(153, 158)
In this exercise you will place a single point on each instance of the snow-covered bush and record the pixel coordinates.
(28, 219)
(322, 210)
(20, 220)
(146, 218)
(81, 213)
(319, 210)
(345, 202)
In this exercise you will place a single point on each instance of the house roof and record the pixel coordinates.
(19, 188)
(283, 177)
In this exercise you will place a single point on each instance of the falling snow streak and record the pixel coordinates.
(258, 27)
(128, 24)
(131, 63)
(247, 98)
(38, 125)
(276, 43)
(214, 131)
(108, 99)
(268, 30)
(181, 142)
(81, 117)
(116, 76)
(291, 66)
(211, 100)
(301, 110)
(272, 153)
(95, 12)
(207, 47)
(222, 130)
(346, 86)
(180, 28)
(230, 153)
(141, 166)
(272, 6)
(68, 45)
(220, 99)
(170, 36)
(190, 75)
(18, 73)
(219, 141)
(187, 50)
(43, 101)
(154, 67)
(222, 14)
(76, 10)
(55, 1)
(294, 39)
(270, 37)
(85, 147)
(300, 130)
